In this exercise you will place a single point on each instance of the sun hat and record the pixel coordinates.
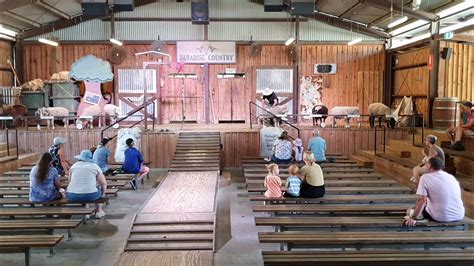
(267, 91)
(59, 140)
(298, 142)
(86, 156)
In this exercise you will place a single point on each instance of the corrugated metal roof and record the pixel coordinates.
(318, 31)
(241, 31)
(160, 10)
(240, 9)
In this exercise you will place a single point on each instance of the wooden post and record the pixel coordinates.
(296, 67)
(387, 90)
(18, 57)
(206, 80)
(433, 90)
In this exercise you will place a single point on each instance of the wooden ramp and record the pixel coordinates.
(176, 226)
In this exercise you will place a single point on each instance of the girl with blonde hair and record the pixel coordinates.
(312, 177)
(272, 182)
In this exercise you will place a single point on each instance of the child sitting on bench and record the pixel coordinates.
(293, 182)
(272, 182)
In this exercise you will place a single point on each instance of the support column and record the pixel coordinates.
(433, 87)
(296, 69)
(18, 60)
(388, 82)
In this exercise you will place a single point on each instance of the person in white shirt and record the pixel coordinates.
(439, 196)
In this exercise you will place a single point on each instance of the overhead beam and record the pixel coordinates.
(66, 23)
(419, 14)
(348, 26)
(351, 9)
(52, 9)
(12, 4)
(21, 18)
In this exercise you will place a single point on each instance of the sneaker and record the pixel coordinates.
(133, 184)
(100, 214)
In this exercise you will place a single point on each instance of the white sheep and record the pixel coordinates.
(340, 112)
(93, 110)
(54, 111)
(111, 111)
(60, 76)
(381, 110)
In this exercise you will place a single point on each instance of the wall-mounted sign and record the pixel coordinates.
(448, 35)
(206, 52)
(430, 62)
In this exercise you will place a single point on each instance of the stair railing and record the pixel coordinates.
(375, 138)
(278, 118)
(144, 105)
(16, 141)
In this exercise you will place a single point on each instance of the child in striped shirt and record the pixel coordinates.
(272, 182)
(293, 182)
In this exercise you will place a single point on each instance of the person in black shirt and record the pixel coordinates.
(270, 97)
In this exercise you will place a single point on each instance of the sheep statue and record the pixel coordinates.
(340, 112)
(320, 110)
(90, 111)
(380, 110)
(112, 112)
(54, 111)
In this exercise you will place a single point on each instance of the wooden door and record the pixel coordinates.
(232, 99)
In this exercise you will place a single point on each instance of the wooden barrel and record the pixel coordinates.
(443, 112)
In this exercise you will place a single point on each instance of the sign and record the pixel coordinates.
(430, 62)
(449, 35)
(268, 135)
(206, 52)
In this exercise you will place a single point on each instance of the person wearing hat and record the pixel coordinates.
(85, 175)
(60, 161)
(101, 156)
(298, 150)
(133, 163)
(434, 151)
(270, 97)
(466, 127)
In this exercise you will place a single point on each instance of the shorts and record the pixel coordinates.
(76, 197)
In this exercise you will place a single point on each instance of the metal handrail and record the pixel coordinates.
(16, 140)
(271, 114)
(375, 138)
(144, 105)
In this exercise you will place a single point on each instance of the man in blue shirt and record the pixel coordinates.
(317, 145)
(101, 156)
(133, 163)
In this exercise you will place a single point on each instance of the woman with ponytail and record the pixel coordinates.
(312, 177)
(44, 180)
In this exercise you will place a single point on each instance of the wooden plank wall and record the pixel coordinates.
(456, 75)
(6, 75)
(351, 61)
(411, 77)
(157, 147)
(342, 141)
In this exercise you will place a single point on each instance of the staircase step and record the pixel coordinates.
(193, 169)
(170, 237)
(395, 151)
(170, 228)
(186, 162)
(363, 161)
(180, 245)
(174, 218)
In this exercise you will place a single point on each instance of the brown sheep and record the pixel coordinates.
(16, 111)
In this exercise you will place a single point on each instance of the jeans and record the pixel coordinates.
(73, 197)
(276, 160)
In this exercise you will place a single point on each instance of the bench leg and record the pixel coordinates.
(51, 252)
(27, 257)
(69, 234)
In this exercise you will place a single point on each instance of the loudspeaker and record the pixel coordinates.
(446, 53)
(302, 7)
(200, 12)
(95, 8)
(273, 6)
(124, 5)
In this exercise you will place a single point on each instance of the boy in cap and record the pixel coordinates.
(133, 163)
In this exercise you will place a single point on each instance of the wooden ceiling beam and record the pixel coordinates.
(52, 9)
(21, 18)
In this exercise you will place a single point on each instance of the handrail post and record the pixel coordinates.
(250, 111)
(8, 143)
(375, 140)
(17, 144)
(384, 139)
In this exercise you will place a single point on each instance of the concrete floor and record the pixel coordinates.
(100, 242)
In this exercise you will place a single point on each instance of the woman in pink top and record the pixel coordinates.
(272, 182)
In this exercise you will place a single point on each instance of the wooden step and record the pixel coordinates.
(164, 218)
(170, 237)
(193, 169)
(172, 228)
(395, 151)
(185, 161)
(4, 152)
(180, 245)
(363, 161)
(340, 176)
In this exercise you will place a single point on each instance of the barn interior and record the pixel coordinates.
(186, 79)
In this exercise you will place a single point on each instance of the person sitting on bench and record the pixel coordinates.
(101, 156)
(282, 149)
(85, 175)
(60, 161)
(312, 177)
(44, 180)
(466, 128)
(439, 196)
(293, 182)
(427, 154)
(272, 182)
(133, 163)
(317, 145)
(435, 151)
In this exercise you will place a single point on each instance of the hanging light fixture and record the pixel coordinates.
(115, 41)
(289, 41)
(47, 41)
(358, 40)
(112, 29)
(7, 31)
(397, 22)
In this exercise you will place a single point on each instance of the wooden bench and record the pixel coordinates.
(348, 190)
(325, 170)
(45, 211)
(340, 176)
(61, 202)
(286, 165)
(362, 209)
(26, 178)
(20, 185)
(43, 224)
(340, 183)
(370, 258)
(110, 192)
(23, 244)
(355, 223)
(381, 198)
(362, 240)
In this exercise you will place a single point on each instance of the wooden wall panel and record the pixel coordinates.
(6, 76)
(156, 147)
(456, 74)
(412, 58)
(342, 141)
